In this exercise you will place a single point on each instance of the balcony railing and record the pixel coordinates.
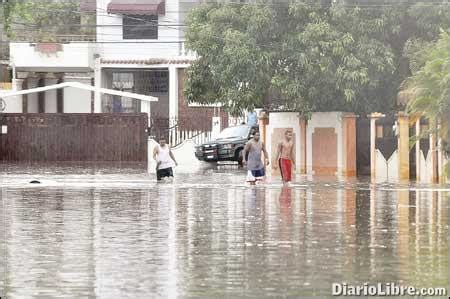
(59, 38)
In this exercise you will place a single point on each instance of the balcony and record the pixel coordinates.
(47, 57)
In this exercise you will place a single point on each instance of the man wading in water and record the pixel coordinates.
(285, 157)
(252, 158)
(164, 160)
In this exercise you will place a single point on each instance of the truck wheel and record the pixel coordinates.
(239, 158)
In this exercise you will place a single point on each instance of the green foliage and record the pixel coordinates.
(42, 20)
(234, 65)
(304, 57)
(428, 87)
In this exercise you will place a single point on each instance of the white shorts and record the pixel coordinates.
(255, 175)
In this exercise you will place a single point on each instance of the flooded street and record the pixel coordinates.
(113, 232)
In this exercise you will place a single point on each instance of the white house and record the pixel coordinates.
(139, 47)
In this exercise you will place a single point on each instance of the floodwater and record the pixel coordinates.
(113, 232)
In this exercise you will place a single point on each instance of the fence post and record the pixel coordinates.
(373, 135)
(263, 122)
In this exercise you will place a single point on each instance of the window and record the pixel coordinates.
(152, 81)
(140, 27)
(159, 81)
(123, 81)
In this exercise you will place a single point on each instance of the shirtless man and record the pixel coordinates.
(285, 157)
(252, 158)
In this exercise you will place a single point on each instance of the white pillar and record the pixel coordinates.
(440, 158)
(50, 97)
(77, 100)
(418, 154)
(173, 93)
(145, 108)
(373, 136)
(14, 104)
(32, 102)
(98, 84)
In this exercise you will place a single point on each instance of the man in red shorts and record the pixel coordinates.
(285, 157)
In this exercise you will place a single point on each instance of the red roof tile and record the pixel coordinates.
(152, 61)
(137, 7)
(48, 48)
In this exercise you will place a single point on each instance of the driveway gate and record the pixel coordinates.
(73, 137)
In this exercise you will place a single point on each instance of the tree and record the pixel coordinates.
(332, 62)
(44, 20)
(4, 50)
(236, 56)
(304, 56)
(428, 87)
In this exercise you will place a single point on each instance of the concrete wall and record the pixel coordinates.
(324, 145)
(279, 122)
(331, 120)
(331, 144)
(386, 170)
(50, 97)
(77, 100)
(74, 55)
(13, 104)
(426, 167)
(396, 167)
(32, 98)
(430, 161)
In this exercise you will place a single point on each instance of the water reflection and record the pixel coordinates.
(176, 241)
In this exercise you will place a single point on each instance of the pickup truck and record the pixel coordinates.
(227, 146)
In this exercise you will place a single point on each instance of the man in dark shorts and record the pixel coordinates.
(252, 158)
(165, 160)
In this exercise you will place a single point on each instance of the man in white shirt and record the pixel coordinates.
(165, 160)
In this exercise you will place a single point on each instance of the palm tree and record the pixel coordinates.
(427, 90)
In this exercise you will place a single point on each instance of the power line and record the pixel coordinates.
(97, 25)
(103, 42)
(215, 37)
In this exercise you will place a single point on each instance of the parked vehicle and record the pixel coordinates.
(227, 146)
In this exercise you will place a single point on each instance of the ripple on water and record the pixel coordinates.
(116, 233)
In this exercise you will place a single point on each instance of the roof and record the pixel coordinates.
(137, 7)
(151, 61)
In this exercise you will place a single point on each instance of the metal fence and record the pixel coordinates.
(176, 130)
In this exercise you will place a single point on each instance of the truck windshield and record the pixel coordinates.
(238, 131)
